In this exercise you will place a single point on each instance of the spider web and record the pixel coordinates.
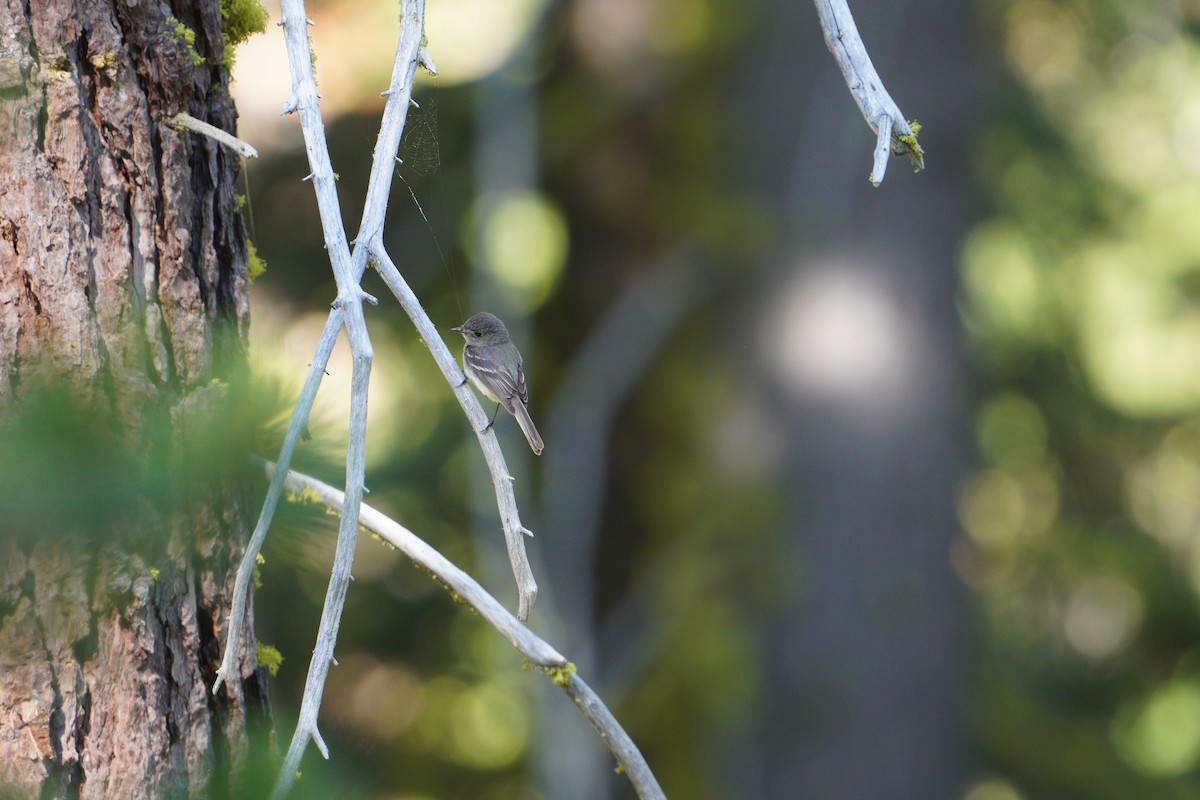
(419, 145)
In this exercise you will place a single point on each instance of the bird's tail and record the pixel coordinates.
(527, 427)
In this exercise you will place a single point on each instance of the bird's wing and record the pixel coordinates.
(522, 390)
(501, 383)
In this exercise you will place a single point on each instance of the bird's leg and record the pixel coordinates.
(492, 421)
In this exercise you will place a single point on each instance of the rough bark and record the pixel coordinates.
(122, 268)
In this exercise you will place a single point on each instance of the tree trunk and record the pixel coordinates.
(867, 666)
(123, 272)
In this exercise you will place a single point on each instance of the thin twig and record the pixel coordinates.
(539, 652)
(878, 108)
(235, 144)
(241, 586)
(618, 741)
(883, 149)
(506, 501)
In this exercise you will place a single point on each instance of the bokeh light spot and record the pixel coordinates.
(1000, 273)
(491, 728)
(1044, 43)
(524, 240)
(375, 698)
(991, 508)
(1012, 432)
(836, 334)
(1140, 341)
(992, 789)
(1102, 616)
(472, 38)
(1160, 736)
(1164, 489)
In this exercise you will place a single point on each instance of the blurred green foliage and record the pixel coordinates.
(1082, 526)
(1080, 297)
(71, 464)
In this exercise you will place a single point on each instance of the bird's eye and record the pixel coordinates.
(477, 334)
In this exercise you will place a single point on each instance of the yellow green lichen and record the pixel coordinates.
(912, 149)
(455, 596)
(560, 675)
(379, 538)
(915, 154)
(268, 657)
(256, 265)
(306, 497)
(185, 36)
(104, 61)
(240, 19)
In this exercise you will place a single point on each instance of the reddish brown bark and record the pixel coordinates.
(122, 267)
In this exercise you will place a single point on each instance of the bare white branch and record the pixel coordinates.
(349, 303)
(391, 128)
(878, 108)
(347, 310)
(539, 652)
(242, 148)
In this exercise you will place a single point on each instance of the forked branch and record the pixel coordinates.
(348, 268)
(409, 53)
(894, 134)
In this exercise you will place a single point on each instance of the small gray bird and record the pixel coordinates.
(493, 364)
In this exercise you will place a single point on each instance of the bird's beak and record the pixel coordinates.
(458, 329)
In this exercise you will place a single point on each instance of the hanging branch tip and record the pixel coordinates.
(894, 135)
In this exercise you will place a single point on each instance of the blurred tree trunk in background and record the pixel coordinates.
(865, 372)
(122, 273)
